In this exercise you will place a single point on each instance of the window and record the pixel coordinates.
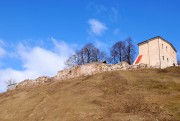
(167, 59)
(163, 57)
(166, 48)
(162, 46)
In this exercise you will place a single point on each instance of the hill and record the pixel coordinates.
(137, 95)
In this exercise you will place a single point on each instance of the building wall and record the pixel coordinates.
(143, 50)
(157, 53)
(150, 52)
(154, 53)
(168, 54)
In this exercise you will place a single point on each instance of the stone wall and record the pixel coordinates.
(81, 70)
(94, 68)
(31, 82)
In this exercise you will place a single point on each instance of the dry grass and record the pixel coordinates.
(143, 95)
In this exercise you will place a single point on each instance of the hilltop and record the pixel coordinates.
(131, 95)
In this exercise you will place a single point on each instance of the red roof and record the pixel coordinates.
(138, 59)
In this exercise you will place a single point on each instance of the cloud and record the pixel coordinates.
(1, 42)
(96, 27)
(113, 15)
(96, 8)
(10, 73)
(2, 51)
(37, 61)
(116, 31)
(110, 13)
(62, 48)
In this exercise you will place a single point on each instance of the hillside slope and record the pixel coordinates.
(141, 95)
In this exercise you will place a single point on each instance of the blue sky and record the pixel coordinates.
(37, 36)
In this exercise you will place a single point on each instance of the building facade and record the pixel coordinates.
(157, 52)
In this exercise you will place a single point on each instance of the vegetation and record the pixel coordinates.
(141, 95)
(88, 54)
(120, 51)
(123, 51)
(10, 83)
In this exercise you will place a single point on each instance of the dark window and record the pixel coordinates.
(162, 46)
(167, 59)
(163, 57)
(166, 48)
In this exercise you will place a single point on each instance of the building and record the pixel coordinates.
(157, 52)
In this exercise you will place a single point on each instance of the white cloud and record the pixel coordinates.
(41, 61)
(113, 14)
(116, 31)
(9, 73)
(110, 13)
(1, 42)
(62, 48)
(2, 51)
(96, 27)
(37, 62)
(96, 8)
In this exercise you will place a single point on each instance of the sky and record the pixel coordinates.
(37, 36)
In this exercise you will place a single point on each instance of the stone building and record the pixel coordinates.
(157, 52)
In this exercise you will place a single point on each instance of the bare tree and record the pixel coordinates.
(118, 51)
(89, 50)
(120, 46)
(72, 61)
(80, 59)
(100, 56)
(10, 84)
(130, 50)
(114, 54)
(89, 53)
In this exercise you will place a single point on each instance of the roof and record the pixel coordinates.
(157, 38)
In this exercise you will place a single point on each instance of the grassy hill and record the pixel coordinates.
(139, 95)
